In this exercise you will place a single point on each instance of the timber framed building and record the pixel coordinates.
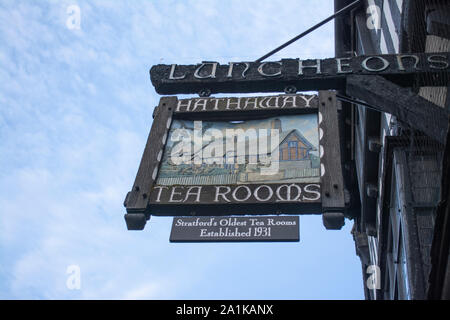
(397, 178)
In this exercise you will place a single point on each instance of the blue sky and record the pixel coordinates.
(75, 112)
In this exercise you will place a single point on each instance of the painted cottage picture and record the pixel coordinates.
(273, 150)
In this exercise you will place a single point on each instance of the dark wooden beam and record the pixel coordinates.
(439, 281)
(291, 75)
(136, 201)
(403, 103)
(333, 203)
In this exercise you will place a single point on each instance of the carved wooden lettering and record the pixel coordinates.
(299, 75)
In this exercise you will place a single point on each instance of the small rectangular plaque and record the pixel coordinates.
(235, 229)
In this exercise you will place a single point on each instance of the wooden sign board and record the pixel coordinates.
(235, 229)
(239, 156)
(291, 75)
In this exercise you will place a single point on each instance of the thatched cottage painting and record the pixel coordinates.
(292, 151)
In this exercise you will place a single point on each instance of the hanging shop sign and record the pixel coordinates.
(299, 75)
(239, 156)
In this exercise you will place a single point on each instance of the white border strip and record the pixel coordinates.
(391, 25)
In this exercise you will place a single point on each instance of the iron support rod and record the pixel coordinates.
(338, 13)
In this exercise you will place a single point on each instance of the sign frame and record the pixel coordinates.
(141, 202)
